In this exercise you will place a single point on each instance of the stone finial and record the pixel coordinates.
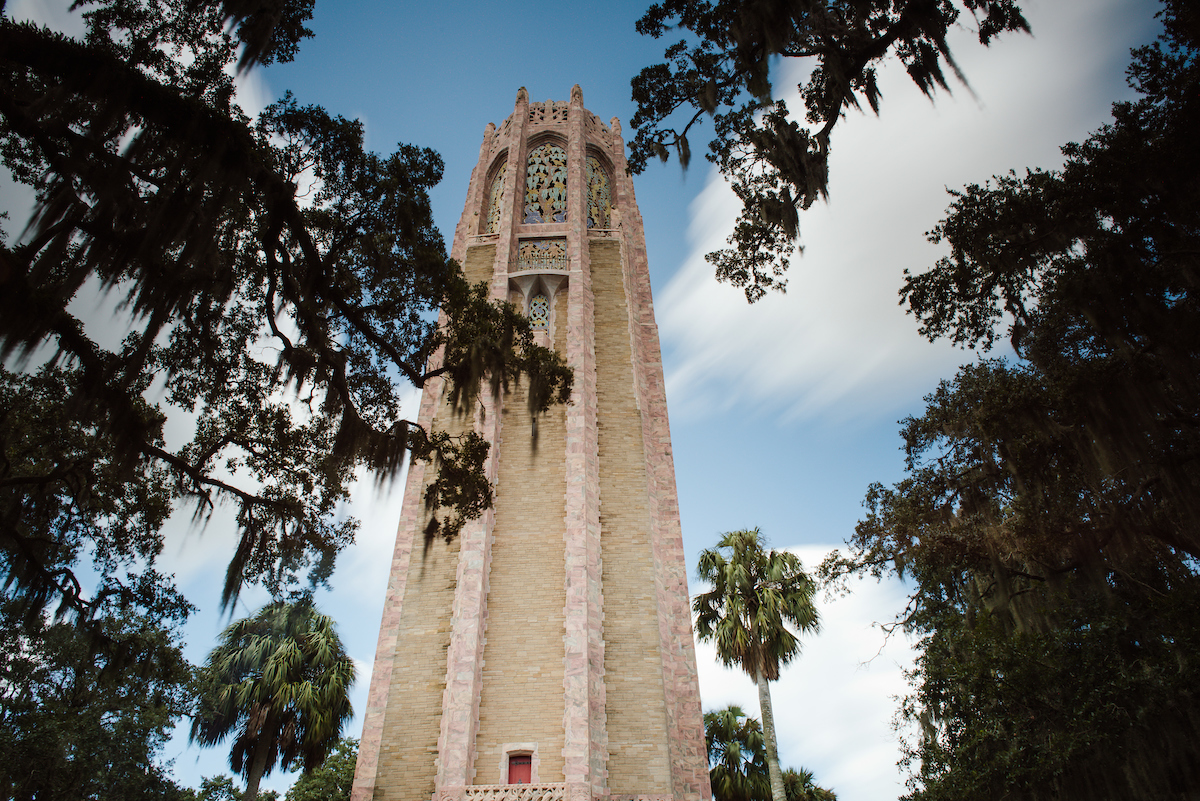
(490, 129)
(614, 125)
(576, 94)
(522, 96)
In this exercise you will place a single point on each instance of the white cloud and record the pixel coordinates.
(838, 344)
(834, 705)
(55, 16)
(252, 92)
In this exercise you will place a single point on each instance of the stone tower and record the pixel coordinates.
(546, 652)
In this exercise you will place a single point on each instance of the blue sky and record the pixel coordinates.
(783, 412)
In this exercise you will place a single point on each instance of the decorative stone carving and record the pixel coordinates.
(493, 215)
(594, 128)
(449, 794)
(549, 112)
(516, 792)
(599, 194)
(546, 185)
(542, 254)
(539, 311)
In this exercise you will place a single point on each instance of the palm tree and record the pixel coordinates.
(736, 756)
(754, 594)
(800, 786)
(280, 679)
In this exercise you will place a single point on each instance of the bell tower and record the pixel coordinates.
(545, 654)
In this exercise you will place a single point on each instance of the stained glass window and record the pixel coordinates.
(539, 311)
(599, 195)
(546, 185)
(493, 215)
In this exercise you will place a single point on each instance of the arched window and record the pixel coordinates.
(599, 194)
(539, 312)
(493, 213)
(546, 185)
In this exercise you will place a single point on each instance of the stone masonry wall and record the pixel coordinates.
(414, 709)
(408, 747)
(638, 761)
(522, 700)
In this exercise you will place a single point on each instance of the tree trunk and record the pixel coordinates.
(768, 723)
(258, 765)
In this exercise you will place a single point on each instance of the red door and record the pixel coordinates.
(519, 766)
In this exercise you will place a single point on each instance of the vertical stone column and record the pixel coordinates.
(367, 768)
(468, 221)
(464, 657)
(512, 209)
(681, 688)
(585, 743)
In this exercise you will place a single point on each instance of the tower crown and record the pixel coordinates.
(531, 152)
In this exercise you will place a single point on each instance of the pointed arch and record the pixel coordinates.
(491, 220)
(546, 184)
(599, 193)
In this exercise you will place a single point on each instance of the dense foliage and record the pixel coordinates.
(332, 780)
(277, 283)
(776, 165)
(268, 285)
(279, 683)
(737, 759)
(222, 788)
(737, 756)
(85, 705)
(85, 709)
(1050, 516)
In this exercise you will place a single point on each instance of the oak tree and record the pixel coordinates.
(1049, 519)
(776, 164)
(278, 285)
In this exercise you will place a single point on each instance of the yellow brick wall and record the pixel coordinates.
(414, 710)
(522, 698)
(637, 728)
(479, 263)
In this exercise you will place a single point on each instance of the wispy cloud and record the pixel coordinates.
(838, 344)
(59, 17)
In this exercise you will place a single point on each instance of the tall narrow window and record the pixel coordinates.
(546, 185)
(493, 214)
(520, 768)
(539, 311)
(599, 195)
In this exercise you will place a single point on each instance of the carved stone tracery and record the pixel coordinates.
(546, 185)
(492, 225)
(516, 792)
(599, 194)
(542, 254)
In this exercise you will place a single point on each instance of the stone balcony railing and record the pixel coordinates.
(516, 792)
